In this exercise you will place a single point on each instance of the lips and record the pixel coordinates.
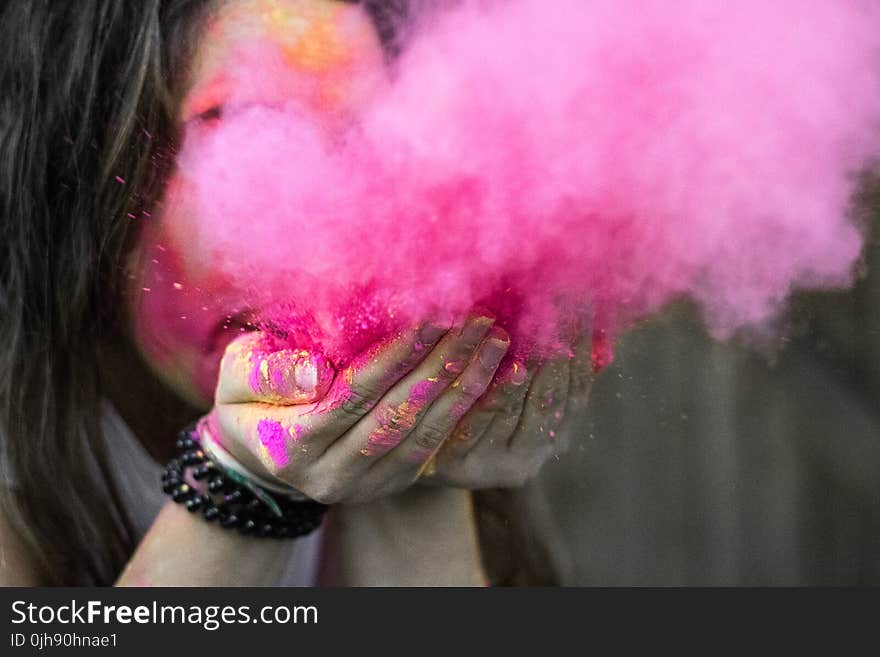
(208, 368)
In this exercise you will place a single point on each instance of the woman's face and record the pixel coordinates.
(184, 313)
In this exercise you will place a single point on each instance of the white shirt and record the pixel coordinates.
(137, 478)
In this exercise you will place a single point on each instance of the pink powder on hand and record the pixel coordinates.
(554, 162)
(273, 437)
(288, 376)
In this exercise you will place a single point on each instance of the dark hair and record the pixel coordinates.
(86, 112)
(88, 98)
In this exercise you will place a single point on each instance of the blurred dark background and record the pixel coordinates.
(708, 463)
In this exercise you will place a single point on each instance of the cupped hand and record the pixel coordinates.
(361, 433)
(526, 417)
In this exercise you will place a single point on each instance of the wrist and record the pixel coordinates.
(182, 550)
(221, 491)
(420, 537)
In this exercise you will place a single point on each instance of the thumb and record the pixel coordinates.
(259, 367)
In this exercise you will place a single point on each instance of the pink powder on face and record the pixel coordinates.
(273, 437)
(553, 164)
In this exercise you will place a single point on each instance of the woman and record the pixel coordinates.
(95, 97)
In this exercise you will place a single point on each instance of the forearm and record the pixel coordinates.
(182, 550)
(421, 537)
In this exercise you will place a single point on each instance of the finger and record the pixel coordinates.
(581, 376)
(440, 419)
(504, 398)
(253, 431)
(508, 415)
(257, 367)
(360, 386)
(402, 408)
(513, 447)
(466, 435)
(472, 465)
(543, 409)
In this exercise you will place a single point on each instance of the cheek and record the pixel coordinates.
(181, 311)
(175, 235)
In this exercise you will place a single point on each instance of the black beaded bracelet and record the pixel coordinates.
(248, 508)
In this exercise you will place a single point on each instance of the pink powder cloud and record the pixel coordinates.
(555, 161)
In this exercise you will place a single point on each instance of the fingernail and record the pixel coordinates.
(312, 375)
(476, 328)
(499, 334)
(495, 348)
(431, 333)
(295, 377)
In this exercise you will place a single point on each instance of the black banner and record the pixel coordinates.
(230, 621)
